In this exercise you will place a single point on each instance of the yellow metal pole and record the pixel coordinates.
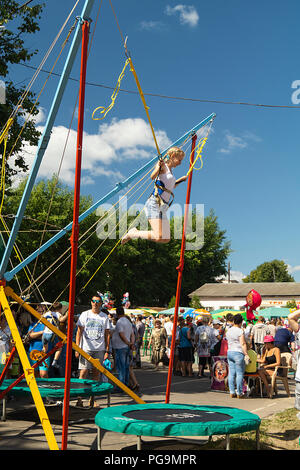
(29, 372)
(96, 363)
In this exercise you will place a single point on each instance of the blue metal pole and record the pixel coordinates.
(10, 274)
(46, 135)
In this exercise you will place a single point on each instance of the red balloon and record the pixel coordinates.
(253, 300)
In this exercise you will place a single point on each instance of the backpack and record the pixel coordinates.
(203, 337)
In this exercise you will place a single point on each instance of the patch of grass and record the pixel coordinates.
(279, 432)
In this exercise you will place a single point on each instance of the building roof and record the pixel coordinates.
(273, 289)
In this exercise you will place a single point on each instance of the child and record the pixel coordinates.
(159, 201)
(54, 317)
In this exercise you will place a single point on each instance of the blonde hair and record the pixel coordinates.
(175, 151)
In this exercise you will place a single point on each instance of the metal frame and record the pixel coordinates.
(119, 187)
(43, 143)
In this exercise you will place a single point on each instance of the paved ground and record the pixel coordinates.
(22, 429)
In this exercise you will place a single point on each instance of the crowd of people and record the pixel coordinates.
(117, 340)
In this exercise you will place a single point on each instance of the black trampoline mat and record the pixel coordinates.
(55, 385)
(178, 415)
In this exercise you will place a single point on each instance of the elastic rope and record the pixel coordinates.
(106, 110)
(132, 69)
(198, 151)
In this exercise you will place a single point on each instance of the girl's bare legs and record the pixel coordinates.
(159, 233)
(263, 377)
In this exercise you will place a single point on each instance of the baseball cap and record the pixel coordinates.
(217, 322)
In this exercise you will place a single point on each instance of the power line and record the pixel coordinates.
(157, 95)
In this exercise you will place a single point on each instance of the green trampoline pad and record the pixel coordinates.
(176, 420)
(55, 388)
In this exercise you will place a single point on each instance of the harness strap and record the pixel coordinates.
(159, 189)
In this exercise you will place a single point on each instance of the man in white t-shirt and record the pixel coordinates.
(93, 336)
(293, 319)
(123, 343)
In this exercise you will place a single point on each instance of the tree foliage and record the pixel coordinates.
(18, 23)
(270, 271)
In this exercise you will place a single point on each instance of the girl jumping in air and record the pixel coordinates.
(160, 200)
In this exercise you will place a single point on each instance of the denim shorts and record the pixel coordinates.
(46, 338)
(155, 211)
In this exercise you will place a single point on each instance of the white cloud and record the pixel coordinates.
(38, 118)
(117, 142)
(187, 14)
(233, 142)
(234, 276)
(151, 25)
(293, 269)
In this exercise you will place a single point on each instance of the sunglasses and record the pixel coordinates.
(96, 301)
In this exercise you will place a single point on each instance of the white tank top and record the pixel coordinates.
(169, 180)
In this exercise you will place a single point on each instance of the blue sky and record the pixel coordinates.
(227, 51)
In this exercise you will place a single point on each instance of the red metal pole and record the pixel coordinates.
(180, 271)
(7, 364)
(75, 232)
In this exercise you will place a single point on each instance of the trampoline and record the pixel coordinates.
(165, 420)
(55, 389)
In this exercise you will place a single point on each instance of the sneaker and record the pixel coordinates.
(50, 401)
(241, 396)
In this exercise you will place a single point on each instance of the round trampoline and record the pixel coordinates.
(55, 388)
(165, 420)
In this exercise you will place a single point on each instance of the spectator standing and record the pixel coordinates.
(247, 333)
(5, 335)
(229, 321)
(259, 331)
(140, 326)
(34, 336)
(218, 332)
(236, 354)
(159, 341)
(185, 350)
(293, 319)
(133, 383)
(205, 340)
(272, 327)
(169, 329)
(279, 324)
(93, 336)
(176, 363)
(124, 343)
(54, 317)
(113, 324)
(284, 340)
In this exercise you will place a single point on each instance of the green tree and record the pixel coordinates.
(172, 301)
(195, 302)
(18, 23)
(291, 304)
(270, 271)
